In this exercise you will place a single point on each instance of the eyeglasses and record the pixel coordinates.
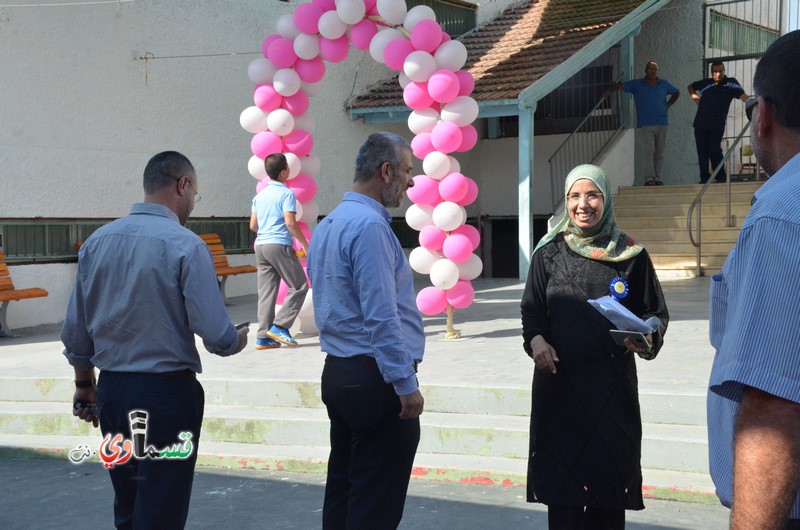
(749, 105)
(197, 197)
(591, 197)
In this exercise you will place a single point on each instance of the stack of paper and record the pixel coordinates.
(620, 316)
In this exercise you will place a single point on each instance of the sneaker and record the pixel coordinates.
(281, 335)
(267, 344)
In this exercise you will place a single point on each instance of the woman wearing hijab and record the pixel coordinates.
(586, 428)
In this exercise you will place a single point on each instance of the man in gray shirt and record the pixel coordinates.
(145, 286)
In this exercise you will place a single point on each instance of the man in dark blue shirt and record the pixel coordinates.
(713, 97)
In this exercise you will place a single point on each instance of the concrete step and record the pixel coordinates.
(685, 247)
(738, 196)
(664, 446)
(470, 469)
(689, 189)
(631, 224)
(675, 407)
(708, 235)
(688, 261)
(668, 209)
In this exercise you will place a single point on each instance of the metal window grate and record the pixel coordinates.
(455, 18)
(737, 36)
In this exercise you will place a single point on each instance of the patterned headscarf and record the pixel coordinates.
(604, 241)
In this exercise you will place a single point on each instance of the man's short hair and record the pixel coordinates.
(776, 79)
(378, 148)
(717, 63)
(164, 169)
(274, 164)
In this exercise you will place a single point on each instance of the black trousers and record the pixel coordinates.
(152, 493)
(709, 149)
(580, 518)
(372, 449)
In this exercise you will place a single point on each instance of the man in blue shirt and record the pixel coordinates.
(369, 325)
(145, 286)
(754, 391)
(273, 219)
(650, 96)
(713, 97)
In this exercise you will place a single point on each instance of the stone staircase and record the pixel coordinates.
(656, 216)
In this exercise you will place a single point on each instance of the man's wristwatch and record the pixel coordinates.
(84, 383)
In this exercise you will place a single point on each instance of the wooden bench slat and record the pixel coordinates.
(22, 294)
(6, 284)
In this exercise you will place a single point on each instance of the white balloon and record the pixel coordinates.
(306, 325)
(416, 15)
(253, 120)
(331, 26)
(287, 28)
(419, 66)
(424, 120)
(310, 165)
(470, 269)
(448, 216)
(261, 71)
(451, 55)
(436, 165)
(380, 40)
(307, 309)
(403, 79)
(310, 212)
(255, 166)
(311, 89)
(462, 111)
(419, 216)
(421, 259)
(280, 121)
(298, 213)
(306, 46)
(294, 164)
(392, 11)
(455, 167)
(351, 11)
(305, 122)
(286, 82)
(444, 274)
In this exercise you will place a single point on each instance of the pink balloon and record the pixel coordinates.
(426, 35)
(305, 229)
(303, 186)
(361, 34)
(395, 53)
(267, 98)
(472, 193)
(334, 51)
(432, 237)
(446, 37)
(306, 17)
(310, 70)
(431, 301)
(297, 103)
(470, 232)
(370, 4)
(416, 96)
(266, 143)
(266, 42)
(466, 83)
(469, 137)
(460, 295)
(443, 86)
(298, 142)
(282, 289)
(263, 183)
(457, 248)
(453, 187)
(424, 191)
(325, 5)
(421, 145)
(446, 136)
(281, 53)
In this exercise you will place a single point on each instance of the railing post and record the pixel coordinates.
(525, 190)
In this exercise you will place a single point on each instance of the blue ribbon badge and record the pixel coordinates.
(618, 288)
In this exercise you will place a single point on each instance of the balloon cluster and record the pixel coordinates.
(434, 86)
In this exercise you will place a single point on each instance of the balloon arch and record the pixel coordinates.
(435, 88)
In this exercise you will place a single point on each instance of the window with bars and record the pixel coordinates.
(455, 17)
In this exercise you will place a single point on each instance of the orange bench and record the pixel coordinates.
(8, 293)
(223, 268)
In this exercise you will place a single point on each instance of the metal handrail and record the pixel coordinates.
(555, 189)
(696, 202)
